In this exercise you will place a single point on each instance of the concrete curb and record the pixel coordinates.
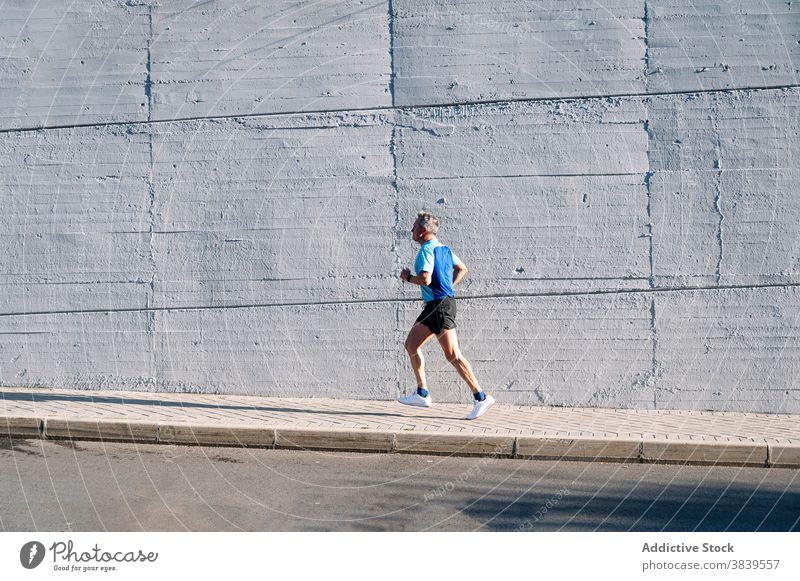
(587, 449)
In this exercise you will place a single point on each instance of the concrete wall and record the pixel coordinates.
(217, 196)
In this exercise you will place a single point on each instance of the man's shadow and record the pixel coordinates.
(33, 396)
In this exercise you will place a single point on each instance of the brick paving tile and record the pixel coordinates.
(662, 425)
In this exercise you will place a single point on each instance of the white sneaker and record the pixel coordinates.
(416, 400)
(480, 408)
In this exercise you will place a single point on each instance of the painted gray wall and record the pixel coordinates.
(217, 196)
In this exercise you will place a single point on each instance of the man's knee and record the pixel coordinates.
(454, 357)
(412, 348)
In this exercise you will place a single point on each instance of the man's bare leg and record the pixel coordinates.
(449, 342)
(417, 337)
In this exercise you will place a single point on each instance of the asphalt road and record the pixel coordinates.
(92, 486)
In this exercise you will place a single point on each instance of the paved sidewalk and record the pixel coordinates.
(740, 439)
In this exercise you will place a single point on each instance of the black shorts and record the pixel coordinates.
(439, 315)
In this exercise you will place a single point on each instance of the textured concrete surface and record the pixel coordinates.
(541, 432)
(93, 61)
(705, 453)
(342, 350)
(97, 349)
(710, 344)
(601, 170)
(319, 413)
(215, 435)
(449, 51)
(79, 429)
(609, 449)
(281, 209)
(76, 219)
(234, 57)
(552, 350)
(533, 196)
(723, 187)
(784, 455)
(549, 350)
(722, 45)
(65, 63)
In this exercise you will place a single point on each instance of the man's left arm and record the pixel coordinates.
(459, 271)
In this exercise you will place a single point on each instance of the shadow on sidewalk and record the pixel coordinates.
(44, 397)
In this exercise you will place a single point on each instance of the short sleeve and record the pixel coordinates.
(456, 259)
(424, 260)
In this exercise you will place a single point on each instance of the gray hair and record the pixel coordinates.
(429, 221)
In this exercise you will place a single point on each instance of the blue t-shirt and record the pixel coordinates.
(438, 259)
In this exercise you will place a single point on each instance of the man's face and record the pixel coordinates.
(417, 231)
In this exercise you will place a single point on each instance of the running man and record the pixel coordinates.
(438, 271)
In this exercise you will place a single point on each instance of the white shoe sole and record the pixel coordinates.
(485, 409)
(415, 405)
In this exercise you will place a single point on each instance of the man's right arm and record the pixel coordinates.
(422, 279)
(423, 264)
